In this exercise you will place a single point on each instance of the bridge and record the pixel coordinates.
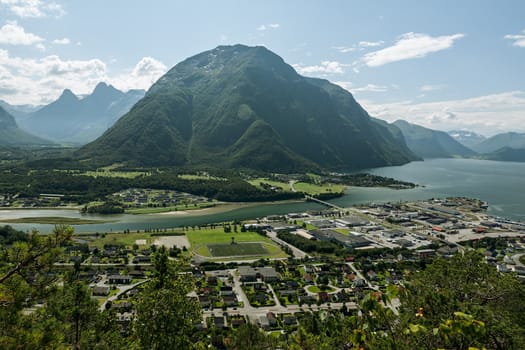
(313, 199)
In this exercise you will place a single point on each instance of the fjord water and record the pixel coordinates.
(501, 184)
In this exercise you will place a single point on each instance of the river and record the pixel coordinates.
(500, 183)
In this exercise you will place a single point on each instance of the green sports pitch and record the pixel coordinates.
(237, 249)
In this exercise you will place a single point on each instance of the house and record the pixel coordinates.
(101, 291)
(289, 320)
(263, 322)
(204, 301)
(268, 274)
(219, 322)
(237, 322)
(272, 319)
(247, 274)
(324, 297)
(226, 290)
(230, 300)
(119, 279)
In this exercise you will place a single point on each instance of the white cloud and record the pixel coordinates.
(371, 43)
(34, 8)
(409, 46)
(345, 49)
(63, 41)
(370, 88)
(326, 67)
(144, 74)
(519, 39)
(13, 34)
(344, 84)
(487, 115)
(264, 27)
(39, 81)
(427, 88)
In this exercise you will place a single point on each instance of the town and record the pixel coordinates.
(273, 270)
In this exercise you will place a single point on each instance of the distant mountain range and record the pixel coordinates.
(71, 119)
(467, 138)
(12, 136)
(499, 141)
(428, 143)
(240, 106)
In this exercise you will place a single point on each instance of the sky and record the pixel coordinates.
(441, 64)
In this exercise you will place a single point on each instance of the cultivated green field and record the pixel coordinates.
(313, 190)
(308, 188)
(238, 249)
(257, 183)
(200, 177)
(201, 240)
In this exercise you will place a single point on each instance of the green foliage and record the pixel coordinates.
(468, 302)
(165, 315)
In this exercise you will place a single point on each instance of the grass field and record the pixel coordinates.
(201, 240)
(127, 239)
(313, 190)
(238, 249)
(182, 207)
(257, 183)
(54, 220)
(308, 188)
(200, 177)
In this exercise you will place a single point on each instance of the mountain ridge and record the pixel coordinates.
(213, 106)
(429, 143)
(71, 119)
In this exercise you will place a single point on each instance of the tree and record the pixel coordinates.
(463, 302)
(249, 336)
(26, 276)
(165, 315)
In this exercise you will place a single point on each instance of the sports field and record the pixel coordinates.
(237, 249)
(216, 244)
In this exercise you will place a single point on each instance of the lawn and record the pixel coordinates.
(127, 239)
(200, 240)
(200, 177)
(181, 207)
(238, 249)
(313, 190)
(316, 289)
(257, 183)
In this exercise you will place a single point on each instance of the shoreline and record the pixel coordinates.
(222, 207)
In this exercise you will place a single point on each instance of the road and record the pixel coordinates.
(254, 312)
(297, 253)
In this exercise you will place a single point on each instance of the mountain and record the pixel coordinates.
(240, 106)
(74, 120)
(506, 154)
(467, 138)
(496, 142)
(12, 136)
(428, 143)
(18, 111)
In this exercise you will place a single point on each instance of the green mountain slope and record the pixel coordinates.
(428, 143)
(12, 136)
(506, 154)
(239, 106)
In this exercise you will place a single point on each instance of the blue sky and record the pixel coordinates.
(442, 64)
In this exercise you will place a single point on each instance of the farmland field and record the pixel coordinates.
(238, 249)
